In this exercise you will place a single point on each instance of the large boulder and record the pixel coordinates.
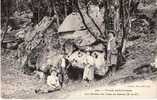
(71, 22)
(74, 21)
(74, 30)
(73, 27)
(80, 59)
(80, 38)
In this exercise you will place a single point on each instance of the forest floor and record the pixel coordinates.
(15, 84)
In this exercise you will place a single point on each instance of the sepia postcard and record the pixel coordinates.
(78, 49)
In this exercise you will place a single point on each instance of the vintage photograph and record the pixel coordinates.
(61, 49)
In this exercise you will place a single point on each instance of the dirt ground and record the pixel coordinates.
(15, 84)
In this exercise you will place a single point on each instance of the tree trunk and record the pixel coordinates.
(106, 13)
(6, 26)
(94, 22)
(38, 19)
(65, 8)
(126, 24)
(123, 25)
(84, 22)
(116, 18)
(55, 12)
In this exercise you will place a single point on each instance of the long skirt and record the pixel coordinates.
(111, 58)
(88, 73)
